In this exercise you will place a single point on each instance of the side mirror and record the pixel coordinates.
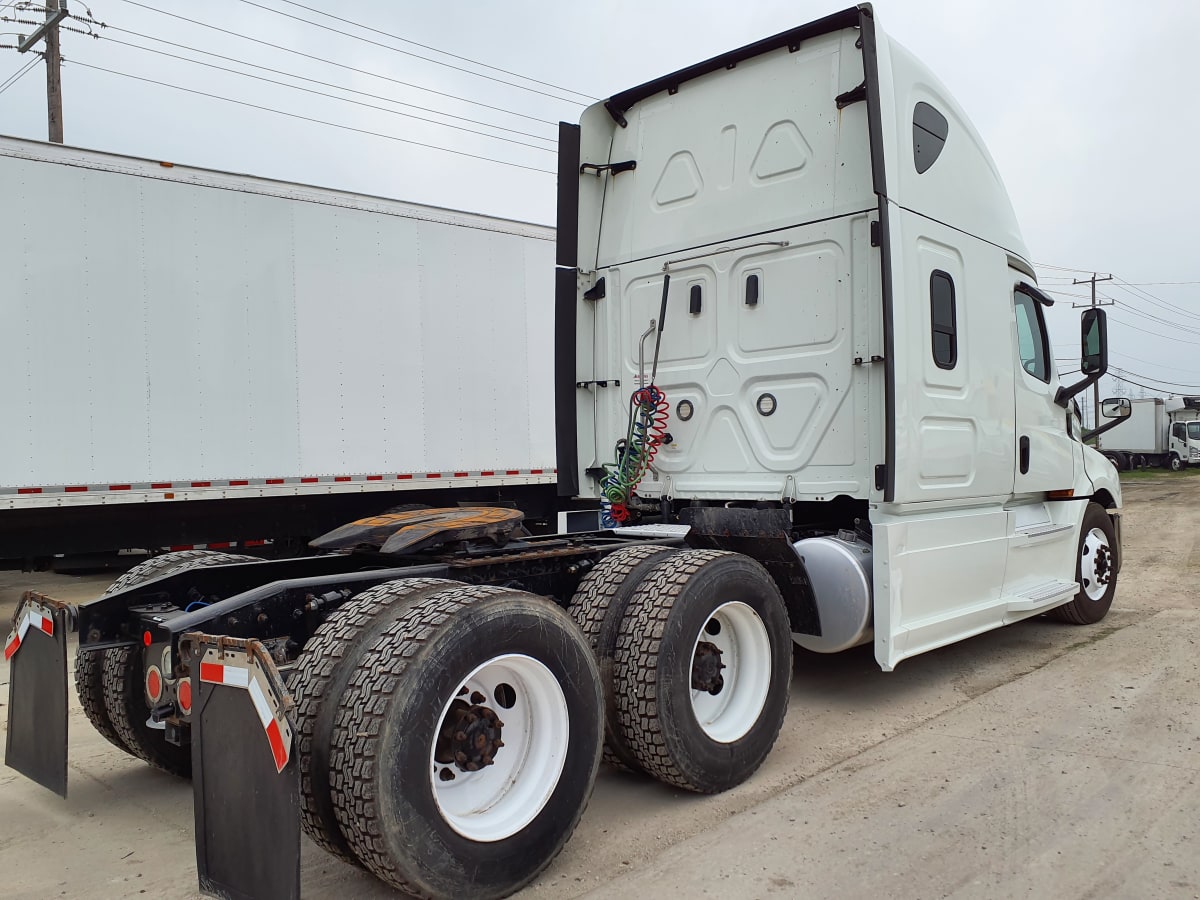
(1116, 408)
(1093, 359)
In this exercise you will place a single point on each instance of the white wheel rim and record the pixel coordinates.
(1095, 564)
(502, 798)
(737, 631)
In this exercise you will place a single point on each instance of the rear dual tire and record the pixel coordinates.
(109, 682)
(465, 736)
(702, 669)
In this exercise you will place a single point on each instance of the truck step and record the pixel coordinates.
(1047, 594)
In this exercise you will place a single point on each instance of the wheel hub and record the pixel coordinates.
(470, 736)
(706, 668)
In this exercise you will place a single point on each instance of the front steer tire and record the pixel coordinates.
(1095, 570)
(428, 826)
(696, 718)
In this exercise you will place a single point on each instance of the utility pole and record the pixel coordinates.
(1096, 386)
(56, 11)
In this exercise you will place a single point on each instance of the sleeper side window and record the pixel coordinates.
(943, 320)
(1031, 338)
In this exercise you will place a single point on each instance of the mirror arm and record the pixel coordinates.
(1066, 392)
(1096, 432)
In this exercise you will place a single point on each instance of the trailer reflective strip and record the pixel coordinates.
(34, 616)
(243, 677)
(50, 492)
(233, 676)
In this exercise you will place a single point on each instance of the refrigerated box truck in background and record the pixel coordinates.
(1157, 432)
(802, 360)
(195, 356)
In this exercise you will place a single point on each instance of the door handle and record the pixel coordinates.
(1024, 455)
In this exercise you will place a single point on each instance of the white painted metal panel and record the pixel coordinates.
(751, 149)
(179, 326)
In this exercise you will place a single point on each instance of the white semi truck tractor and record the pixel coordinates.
(803, 370)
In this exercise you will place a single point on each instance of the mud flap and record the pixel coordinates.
(36, 651)
(245, 777)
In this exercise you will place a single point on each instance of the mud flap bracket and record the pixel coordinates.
(245, 775)
(36, 652)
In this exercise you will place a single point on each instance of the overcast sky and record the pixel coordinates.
(1089, 108)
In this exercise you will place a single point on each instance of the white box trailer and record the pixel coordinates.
(198, 356)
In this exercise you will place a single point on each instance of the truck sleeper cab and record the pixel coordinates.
(852, 333)
(801, 359)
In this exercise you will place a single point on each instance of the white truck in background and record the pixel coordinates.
(194, 357)
(1157, 432)
(797, 333)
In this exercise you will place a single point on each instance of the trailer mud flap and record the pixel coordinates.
(245, 775)
(36, 652)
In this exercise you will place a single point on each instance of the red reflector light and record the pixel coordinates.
(185, 695)
(147, 639)
(154, 684)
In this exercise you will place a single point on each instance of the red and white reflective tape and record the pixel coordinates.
(242, 671)
(306, 480)
(33, 616)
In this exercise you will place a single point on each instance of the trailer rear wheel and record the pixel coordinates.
(1095, 570)
(323, 672)
(466, 746)
(89, 666)
(702, 669)
(599, 607)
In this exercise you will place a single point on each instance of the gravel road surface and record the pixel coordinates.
(1042, 760)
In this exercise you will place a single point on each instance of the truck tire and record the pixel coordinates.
(702, 669)
(128, 711)
(599, 607)
(1114, 459)
(89, 667)
(322, 674)
(1176, 464)
(467, 743)
(1094, 570)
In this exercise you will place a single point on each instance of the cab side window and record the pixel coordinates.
(1179, 431)
(943, 320)
(1032, 346)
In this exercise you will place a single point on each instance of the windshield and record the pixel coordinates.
(1194, 431)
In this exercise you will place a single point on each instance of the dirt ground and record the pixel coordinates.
(1041, 760)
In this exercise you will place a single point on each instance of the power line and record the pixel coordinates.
(1148, 362)
(1142, 294)
(297, 87)
(397, 37)
(19, 74)
(322, 59)
(436, 62)
(1164, 337)
(328, 84)
(280, 112)
(1124, 374)
(1190, 329)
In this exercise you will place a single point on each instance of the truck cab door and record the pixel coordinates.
(1045, 452)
